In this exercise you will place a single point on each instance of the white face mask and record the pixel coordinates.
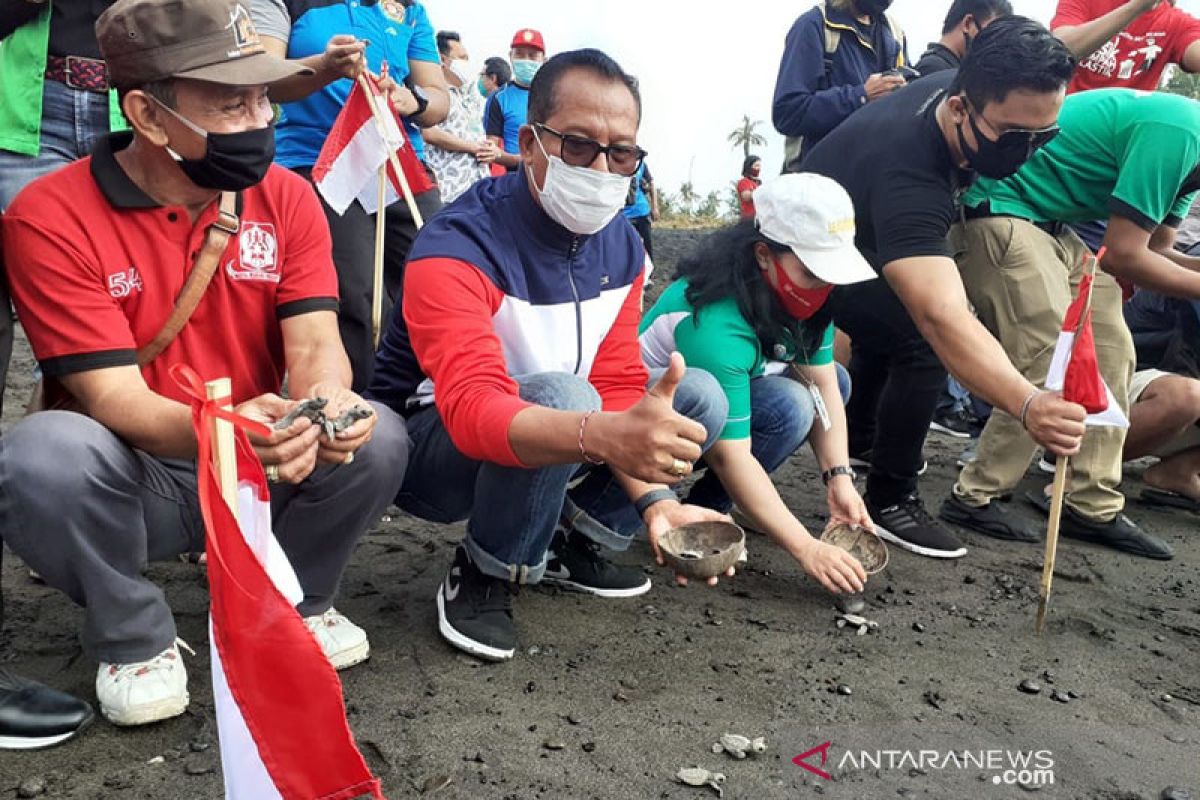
(581, 199)
(462, 71)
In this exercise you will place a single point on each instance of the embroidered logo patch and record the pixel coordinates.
(123, 284)
(244, 33)
(393, 10)
(257, 250)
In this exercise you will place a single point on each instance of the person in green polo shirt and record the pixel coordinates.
(1132, 158)
(749, 308)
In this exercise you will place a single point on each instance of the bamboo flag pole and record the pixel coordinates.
(405, 189)
(377, 285)
(224, 451)
(1056, 507)
(1058, 493)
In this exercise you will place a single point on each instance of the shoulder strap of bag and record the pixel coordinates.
(898, 35)
(225, 225)
(833, 37)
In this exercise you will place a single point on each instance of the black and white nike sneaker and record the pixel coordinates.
(909, 525)
(475, 611)
(574, 562)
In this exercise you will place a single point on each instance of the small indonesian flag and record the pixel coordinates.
(347, 168)
(280, 716)
(1074, 369)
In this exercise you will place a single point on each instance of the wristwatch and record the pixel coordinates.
(840, 469)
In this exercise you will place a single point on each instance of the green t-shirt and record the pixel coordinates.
(1123, 152)
(23, 68)
(721, 342)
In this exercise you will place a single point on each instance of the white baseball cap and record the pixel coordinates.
(813, 216)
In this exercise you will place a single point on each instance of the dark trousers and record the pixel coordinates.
(897, 379)
(642, 226)
(354, 256)
(88, 512)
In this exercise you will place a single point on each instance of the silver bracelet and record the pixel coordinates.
(1025, 406)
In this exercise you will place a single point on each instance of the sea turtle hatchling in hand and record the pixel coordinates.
(740, 746)
(698, 776)
(863, 624)
(313, 408)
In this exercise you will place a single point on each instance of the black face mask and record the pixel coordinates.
(993, 159)
(232, 161)
(874, 7)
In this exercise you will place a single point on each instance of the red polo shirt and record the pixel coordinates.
(95, 266)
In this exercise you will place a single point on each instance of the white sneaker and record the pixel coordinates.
(344, 643)
(144, 691)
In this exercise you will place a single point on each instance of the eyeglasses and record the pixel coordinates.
(1026, 139)
(580, 151)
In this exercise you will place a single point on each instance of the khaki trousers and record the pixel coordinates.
(1021, 280)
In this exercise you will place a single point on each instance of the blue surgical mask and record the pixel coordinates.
(481, 88)
(524, 69)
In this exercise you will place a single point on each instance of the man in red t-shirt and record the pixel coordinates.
(96, 254)
(1126, 43)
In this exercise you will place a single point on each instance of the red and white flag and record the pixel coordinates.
(347, 168)
(281, 720)
(1074, 369)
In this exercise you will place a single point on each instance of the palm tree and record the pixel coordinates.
(687, 197)
(746, 136)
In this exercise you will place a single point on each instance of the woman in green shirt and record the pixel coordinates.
(749, 308)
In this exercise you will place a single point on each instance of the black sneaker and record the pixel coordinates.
(956, 423)
(1119, 533)
(575, 563)
(994, 519)
(909, 525)
(475, 611)
(33, 716)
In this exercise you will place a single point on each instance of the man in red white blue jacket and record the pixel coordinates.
(514, 356)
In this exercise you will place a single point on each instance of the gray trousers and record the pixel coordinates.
(87, 512)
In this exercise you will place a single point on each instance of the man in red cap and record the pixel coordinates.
(505, 112)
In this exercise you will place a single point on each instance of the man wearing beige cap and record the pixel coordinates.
(179, 243)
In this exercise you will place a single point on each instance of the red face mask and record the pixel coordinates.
(797, 301)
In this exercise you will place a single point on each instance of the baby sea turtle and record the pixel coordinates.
(740, 746)
(698, 776)
(313, 408)
(351, 416)
(863, 624)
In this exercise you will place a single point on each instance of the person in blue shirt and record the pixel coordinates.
(506, 108)
(334, 37)
(839, 56)
(641, 206)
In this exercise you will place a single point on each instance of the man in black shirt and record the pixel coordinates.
(964, 21)
(986, 118)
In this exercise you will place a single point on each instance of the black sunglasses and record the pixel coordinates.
(1016, 138)
(580, 151)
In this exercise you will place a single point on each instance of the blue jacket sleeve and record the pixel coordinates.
(801, 107)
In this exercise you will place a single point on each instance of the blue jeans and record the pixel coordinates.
(512, 511)
(781, 417)
(955, 397)
(70, 120)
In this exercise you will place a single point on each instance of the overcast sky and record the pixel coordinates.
(702, 65)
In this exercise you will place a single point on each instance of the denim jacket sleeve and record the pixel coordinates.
(802, 107)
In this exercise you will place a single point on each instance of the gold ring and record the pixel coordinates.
(349, 459)
(272, 473)
(679, 467)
